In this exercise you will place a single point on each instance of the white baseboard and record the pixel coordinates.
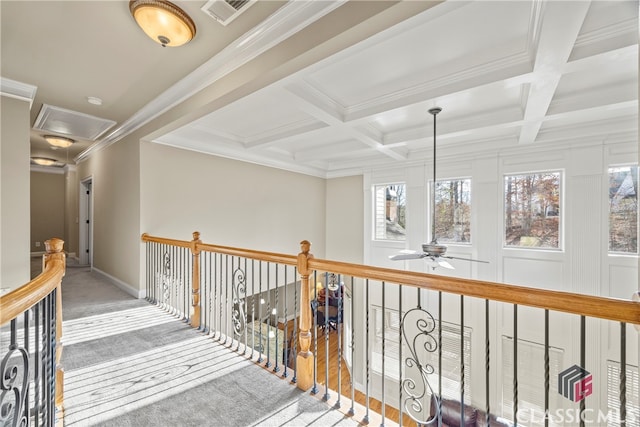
(136, 293)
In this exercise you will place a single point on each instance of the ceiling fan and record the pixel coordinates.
(434, 251)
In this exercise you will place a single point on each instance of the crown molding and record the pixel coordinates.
(18, 90)
(284, 23)
(56, 170)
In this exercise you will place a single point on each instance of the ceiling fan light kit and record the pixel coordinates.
(164, 22)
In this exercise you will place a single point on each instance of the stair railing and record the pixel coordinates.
(404, 338)
(31, 385)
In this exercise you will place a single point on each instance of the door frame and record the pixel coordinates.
(85, 233)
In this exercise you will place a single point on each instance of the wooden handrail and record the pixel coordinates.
(228, 250)
(23, 298)
(579, 304)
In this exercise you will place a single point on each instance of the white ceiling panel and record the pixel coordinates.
(506, 74)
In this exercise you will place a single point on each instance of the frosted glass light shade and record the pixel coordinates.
(59, 141)
(163, 22)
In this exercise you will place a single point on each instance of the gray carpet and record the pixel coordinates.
(129, 363)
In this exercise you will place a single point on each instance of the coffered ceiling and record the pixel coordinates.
(507, 74)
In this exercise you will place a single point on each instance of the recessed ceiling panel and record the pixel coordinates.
(469, 36)
(72, 123)
(258, 115)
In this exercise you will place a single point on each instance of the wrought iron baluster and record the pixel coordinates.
(384, 327)
(227, 279)
(515, 364)
(221, 283)
(295, 326)
(623, 374)
(546, 368)
(340, 332)
(274, 313)
(314, 389)
(461, 359)
(260, 359)
(245, 309)
(286, 344)
(487, 362)
(239, 296)
(37, 339)
(269, 314)
(353, 350)
(400, 412)
(365, 420)
(326, 337)
(583, 362)
(253, 307)
(418, 328)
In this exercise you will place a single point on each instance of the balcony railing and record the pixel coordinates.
(406, 347)
(30, 348)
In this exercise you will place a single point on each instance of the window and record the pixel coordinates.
(530, 381)
(532, 210)
(390, 211)
(453, 211)
(391, 325)
(613, 394)
(623, 209)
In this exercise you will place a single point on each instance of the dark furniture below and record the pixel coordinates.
(473, 417)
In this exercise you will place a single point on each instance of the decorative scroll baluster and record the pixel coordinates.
(305, 360)
(253, 305)
(246, 330)
(239, 293)
(326, 336)
(416, 363)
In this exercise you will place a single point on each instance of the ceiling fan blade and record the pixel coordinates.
(465, 259)
(445, 264)
(407, 255)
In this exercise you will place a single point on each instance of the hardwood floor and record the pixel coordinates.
(375, 405)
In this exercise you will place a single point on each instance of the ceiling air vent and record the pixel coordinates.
(225, 11)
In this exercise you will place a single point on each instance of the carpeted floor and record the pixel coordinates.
(129, 363)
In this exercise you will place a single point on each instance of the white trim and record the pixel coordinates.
(18, 90)
(136, 293)
(47, 169)
(37, 254)
(284, 23)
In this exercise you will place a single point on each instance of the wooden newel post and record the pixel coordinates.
(305, 360)
(195, 282)
(55, 254)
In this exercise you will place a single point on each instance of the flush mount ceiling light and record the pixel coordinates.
(59, 141)
(163, 21)
(43, 161)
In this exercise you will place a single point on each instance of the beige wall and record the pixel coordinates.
(14, 192)
(116, 209)
(47, 208)
(231, 203)
(71, 215)
(345, 213)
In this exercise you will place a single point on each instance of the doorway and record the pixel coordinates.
(86, 222)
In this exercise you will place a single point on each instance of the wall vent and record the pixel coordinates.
(225, 11)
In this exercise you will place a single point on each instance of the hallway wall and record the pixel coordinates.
(14, 192)
(47, 208)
